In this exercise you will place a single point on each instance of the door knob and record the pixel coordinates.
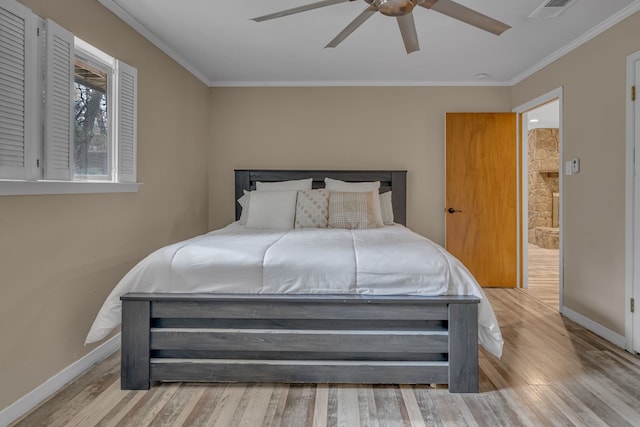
(452, 210)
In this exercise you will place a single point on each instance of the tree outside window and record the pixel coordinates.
(91, 141)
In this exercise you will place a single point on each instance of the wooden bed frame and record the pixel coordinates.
(302, 338)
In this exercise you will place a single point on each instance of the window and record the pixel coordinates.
(91, 139)
(67, 110)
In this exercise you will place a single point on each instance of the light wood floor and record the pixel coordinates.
(544, 275)
(553, 372)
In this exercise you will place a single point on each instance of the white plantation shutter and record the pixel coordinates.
(18, 94)
(126, 122)
(58, 128)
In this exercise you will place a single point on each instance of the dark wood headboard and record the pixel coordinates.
(395, 181)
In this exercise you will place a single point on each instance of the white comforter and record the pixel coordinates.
(388, 261)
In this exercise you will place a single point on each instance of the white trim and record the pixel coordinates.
(594, 327)
(631, 246)
(87, 52)
(94, 57)
(629, 208)
(146, 33)
(36, 396)
(358, 83)
(29, 188)
(558, 94)
(576, 43)
(542, 99)
(523, 188)
(636, 219)
(520, 249)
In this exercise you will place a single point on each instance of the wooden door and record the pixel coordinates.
(481, 183)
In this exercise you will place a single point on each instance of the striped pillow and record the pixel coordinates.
(312, 209)
(351, 210)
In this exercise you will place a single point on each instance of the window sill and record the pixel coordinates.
(29, 188)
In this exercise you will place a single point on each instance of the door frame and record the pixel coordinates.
(632, 208)
(523, 169)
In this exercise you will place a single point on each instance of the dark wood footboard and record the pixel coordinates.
(300, 339)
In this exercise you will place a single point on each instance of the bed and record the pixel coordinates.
(276, 334)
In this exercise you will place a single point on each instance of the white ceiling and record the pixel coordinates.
(219, 43)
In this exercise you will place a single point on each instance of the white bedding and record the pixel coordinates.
(387, 261)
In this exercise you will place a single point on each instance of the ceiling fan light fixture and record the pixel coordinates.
(394, 7)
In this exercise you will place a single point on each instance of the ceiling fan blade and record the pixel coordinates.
(464, 14)
(299, 9)
(408, 30)
(360, 19)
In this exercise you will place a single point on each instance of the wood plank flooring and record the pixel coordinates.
(544, 275)
(553, 372)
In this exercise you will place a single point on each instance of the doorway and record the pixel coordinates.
(541, 183)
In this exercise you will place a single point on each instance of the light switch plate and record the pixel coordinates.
(567, 167)
(575, 165)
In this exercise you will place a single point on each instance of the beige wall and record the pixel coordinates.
(342, 128)
(60, 255)
(594, 81)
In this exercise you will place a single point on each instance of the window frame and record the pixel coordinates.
(92, 56)
(32, 178)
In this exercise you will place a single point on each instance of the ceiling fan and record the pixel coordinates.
(402, 10)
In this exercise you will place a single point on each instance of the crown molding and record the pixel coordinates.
(354, 83)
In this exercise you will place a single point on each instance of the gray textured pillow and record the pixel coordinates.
(312, 209)
(352, 210)
(337, 185)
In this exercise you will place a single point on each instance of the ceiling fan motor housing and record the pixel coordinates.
(394, 7)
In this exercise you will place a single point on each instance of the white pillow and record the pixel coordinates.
(297, 184)
(244, 204)
(357, 187)
(300, 184)
(337, 185)
(386, 208)
(273, 210)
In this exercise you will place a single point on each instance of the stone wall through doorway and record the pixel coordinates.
(544, 184)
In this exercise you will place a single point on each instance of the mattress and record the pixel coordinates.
(391, 260)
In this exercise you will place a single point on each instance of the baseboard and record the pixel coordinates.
(594, 327)
(55, 383)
